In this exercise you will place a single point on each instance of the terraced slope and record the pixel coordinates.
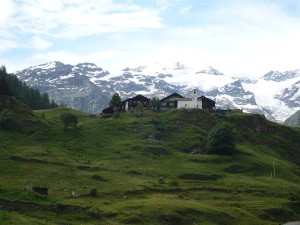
(149, 170)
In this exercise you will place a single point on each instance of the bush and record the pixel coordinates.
(68, 119)
(220, 140)
(6, 118)
(93, 192)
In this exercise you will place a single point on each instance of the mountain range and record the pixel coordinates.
(88, 87)
(293, 120)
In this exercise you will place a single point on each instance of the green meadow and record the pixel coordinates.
(151, 169)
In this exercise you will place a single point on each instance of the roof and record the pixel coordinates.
(174, 94)
(137, 97)
(108, 110)
(203, 97)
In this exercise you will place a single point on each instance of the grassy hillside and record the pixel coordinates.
(149, 170)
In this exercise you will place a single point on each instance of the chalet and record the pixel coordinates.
(196, 102)
(174, 100)
(131, 103)
(170, 101)
(207, 103)
(177, 101)
(108, 110)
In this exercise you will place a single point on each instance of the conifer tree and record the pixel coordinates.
(116, 102)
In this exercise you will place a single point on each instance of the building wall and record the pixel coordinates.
(170, 102)
(196, 104)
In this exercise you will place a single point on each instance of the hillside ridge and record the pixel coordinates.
(152, 169)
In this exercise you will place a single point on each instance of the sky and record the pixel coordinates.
(237, 37)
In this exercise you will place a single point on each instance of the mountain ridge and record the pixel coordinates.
(87, 87)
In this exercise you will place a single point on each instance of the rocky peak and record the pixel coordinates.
(211, 71)
(278, 76)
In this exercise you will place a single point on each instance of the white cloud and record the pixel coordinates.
(249, 36)
(7, 44)
(244, 37)
(7, 10)
(41, 44)
(185, 10)
(63, 18)
(53, 5)
(165, 4)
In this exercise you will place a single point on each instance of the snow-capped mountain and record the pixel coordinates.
(87, 87)
(293, 120)
(75, 86)
(278, 76)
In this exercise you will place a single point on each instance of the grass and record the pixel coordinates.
(130, 170)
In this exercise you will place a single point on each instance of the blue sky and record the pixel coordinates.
(238, 37)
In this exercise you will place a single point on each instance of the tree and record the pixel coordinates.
(155, 104)
(68, 119)
(3, 70)
(140, 109)
(4, 89)
(10, 85)
(6, 118)
(53, 104)
(220, 140)
(116, 102)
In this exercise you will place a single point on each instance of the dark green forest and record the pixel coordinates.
(10, 85)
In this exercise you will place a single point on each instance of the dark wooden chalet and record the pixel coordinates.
(108, 110)
(132, 103)
(207, 103)
(170, 101)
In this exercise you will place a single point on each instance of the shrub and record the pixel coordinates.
(220, 140)
(6, 118)
(93, 192)
(68, 119)
(174, 183)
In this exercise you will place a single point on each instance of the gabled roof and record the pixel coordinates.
(137, 97)
(205, 98)
(108, 110)
(172, 95)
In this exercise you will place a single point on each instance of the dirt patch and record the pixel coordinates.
(134, 172)
(90, 168)
(215, 160)
(170, 219)
(277, 215)
(197, 149)
(255, 168)
(151, 150)
(295, 205)
(98, 178)
(133, 220)
(24, 206)
(21, 159)
(199, 176)
(210, 189)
